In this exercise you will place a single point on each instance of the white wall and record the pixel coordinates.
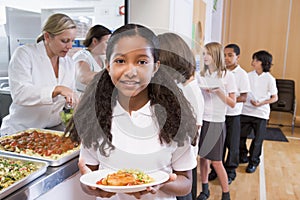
(217, 16)
(163, 15)
(213, 21)
(181, 18)
(154, 14)
(105, 11)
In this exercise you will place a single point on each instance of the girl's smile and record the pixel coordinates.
(132, 66)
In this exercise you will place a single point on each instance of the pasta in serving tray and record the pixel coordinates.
(42, 144)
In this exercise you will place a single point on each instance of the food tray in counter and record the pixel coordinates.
(42, 144)
(15, 172)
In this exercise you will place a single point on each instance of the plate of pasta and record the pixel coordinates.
(124, 180)
(209, 87)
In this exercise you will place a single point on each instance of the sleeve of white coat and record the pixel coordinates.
(23, 91)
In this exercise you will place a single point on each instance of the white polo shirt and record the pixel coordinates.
(194, 95)
(215, 108)
(137, 146)
(262, 87)
(243, 86)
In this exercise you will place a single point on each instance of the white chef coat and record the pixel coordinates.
(32, 81)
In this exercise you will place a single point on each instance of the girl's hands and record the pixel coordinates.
(153, 189)
(91, 190)
(82, 167)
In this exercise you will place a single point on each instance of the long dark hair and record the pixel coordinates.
(92, 120)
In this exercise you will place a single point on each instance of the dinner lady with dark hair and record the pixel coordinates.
(89, 61)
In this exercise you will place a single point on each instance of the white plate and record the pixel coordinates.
(209, 87)
(91, 178)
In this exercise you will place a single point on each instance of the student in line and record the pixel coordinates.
(133, 116)
(177, 55)
(218, 88)
(256, 109)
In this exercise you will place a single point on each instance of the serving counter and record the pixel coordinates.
(53, 177)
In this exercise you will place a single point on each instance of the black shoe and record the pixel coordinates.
(203, 196)
(212, 176)
(244, 160)
(230, 180)
(251, 168)
(226, 196)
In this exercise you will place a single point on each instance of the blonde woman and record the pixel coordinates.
(41, 78)
(218, 89)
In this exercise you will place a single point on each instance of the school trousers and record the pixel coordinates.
(259, 127)
(232, 143)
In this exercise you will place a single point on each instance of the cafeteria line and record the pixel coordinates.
(44, 185)
(64, 178)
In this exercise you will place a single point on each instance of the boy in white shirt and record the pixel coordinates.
(256, 109)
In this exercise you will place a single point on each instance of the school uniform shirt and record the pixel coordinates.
(86, 56)
(32, 81)
(262, 87)
(194, 95)
(215, 108)
(137, 146)
(243, 86)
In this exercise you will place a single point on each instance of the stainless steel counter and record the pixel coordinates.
(41, 185)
